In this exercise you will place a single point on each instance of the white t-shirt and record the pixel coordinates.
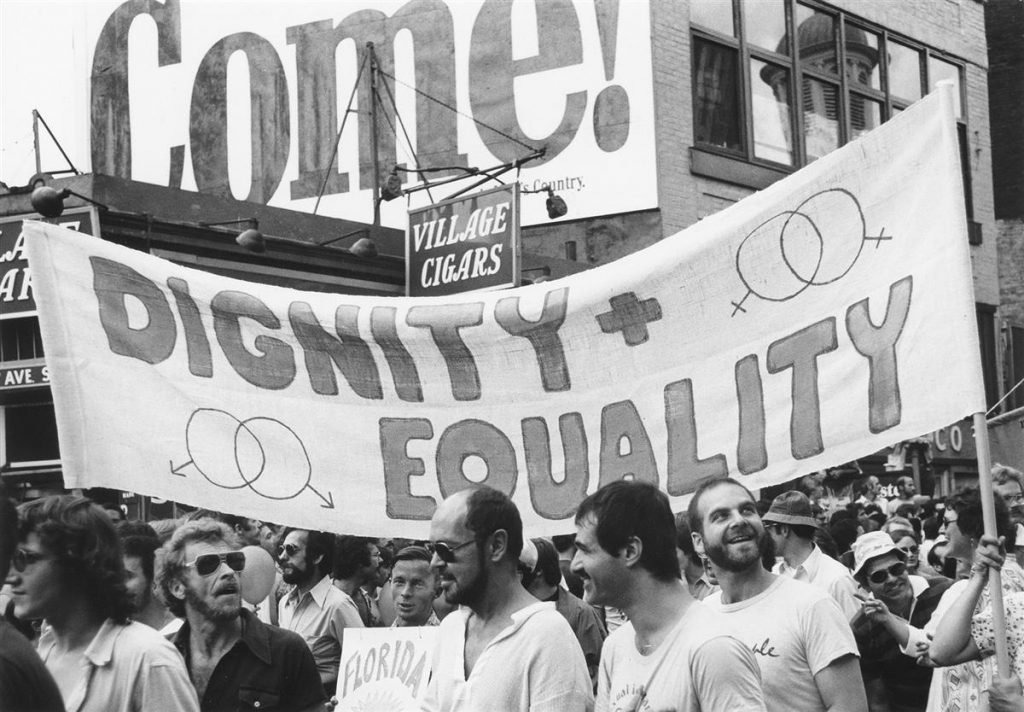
(795, 630)
(700, 667)
(535, 664)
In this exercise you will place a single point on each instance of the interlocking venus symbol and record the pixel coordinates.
(815, 244)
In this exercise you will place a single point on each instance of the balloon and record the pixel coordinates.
(258, 575)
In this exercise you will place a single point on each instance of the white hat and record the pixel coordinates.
(871, 546)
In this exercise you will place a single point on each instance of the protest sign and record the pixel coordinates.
(815, 322)
(384, 668)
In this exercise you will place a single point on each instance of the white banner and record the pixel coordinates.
(815, 322)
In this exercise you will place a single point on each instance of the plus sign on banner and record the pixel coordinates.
(801, 328)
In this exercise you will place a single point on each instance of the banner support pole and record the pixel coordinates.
(988, 511)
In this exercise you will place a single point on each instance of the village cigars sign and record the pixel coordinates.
(803, 327)
(464, 245)
(206, 96)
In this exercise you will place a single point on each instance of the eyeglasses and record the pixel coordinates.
(23, 557)
(912, 549)
(949, 520)
(289, 550)
(206, 564)
(896, 570)
(446, 552)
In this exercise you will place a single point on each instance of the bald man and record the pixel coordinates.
(503, 649)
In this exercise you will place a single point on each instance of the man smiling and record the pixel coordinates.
(673, 652)
(801, 639)
(503, 649)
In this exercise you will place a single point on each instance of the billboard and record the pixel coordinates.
(246, 99)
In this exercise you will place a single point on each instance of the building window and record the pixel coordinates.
(780, 83)
(20, 339)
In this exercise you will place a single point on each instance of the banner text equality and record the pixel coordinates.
(804, 327)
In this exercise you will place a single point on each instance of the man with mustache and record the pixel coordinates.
(800, 637)
(233, 660)
(314, 608)
(503, 649)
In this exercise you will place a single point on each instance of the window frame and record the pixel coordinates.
(735, 166)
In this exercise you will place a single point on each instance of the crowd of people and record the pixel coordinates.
(736, 604)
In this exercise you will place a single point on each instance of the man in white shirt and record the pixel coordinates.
(502, 649)
(792, 526)
(314, 608)
(802, 641)
(673, 653)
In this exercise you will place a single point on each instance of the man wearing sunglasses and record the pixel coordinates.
(503, 649)
(233, 660)
(25, 683)
(893, 677)
(792, 526)
(68, 571)
(314, 608)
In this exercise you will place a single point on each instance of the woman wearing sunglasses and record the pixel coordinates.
(68, 570)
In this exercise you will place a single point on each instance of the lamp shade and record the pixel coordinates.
(48, 201)
(252, 240)
(364, 247)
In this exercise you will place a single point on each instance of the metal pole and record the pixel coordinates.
(35, 140)
(373, 135)
(988, 511)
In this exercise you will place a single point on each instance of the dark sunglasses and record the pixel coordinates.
(22, 558)
(897, 569)
(446, 552)
(206, 564)
(288, 549)
(912, 549)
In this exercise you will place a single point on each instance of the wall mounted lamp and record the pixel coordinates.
(555, 203)
(250, 239)
(363, 247)
(49, 202)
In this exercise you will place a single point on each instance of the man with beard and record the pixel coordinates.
(673, 653)
(139, 555)
(357, 562)
(800, 637)
(503, 649)
(233, 660)
(314, 608)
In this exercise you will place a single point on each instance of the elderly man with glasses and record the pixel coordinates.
(895, 602)
(503, 649)
(233, 660)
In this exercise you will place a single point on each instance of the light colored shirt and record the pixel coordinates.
(824, 572)
(128, 668)
(699, 667)
(433, 620)
(959, 688)
(319, 616)
(795, 631)
(534, 664)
